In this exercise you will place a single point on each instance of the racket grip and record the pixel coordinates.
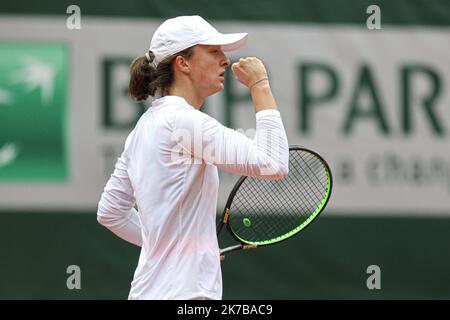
(226, 214)
(231, 249)
(237, 247)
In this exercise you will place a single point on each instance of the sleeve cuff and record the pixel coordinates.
(265, 112)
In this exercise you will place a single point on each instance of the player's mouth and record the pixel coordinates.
(222, 76)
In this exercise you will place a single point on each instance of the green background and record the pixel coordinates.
(399, 12)
(328, 260)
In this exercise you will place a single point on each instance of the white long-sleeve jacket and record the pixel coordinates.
(169, 170)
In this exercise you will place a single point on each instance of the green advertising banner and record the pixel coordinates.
(33, 103)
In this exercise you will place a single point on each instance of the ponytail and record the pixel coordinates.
(146, 79)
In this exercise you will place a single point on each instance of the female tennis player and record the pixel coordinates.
(168, 168)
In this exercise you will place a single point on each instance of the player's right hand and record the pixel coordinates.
(249, 70)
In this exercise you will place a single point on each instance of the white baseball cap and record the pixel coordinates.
(177, 34)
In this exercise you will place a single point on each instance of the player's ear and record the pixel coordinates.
(182, 64)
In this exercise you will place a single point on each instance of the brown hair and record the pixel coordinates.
(145, 79)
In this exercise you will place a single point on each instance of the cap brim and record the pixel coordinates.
(229, 41)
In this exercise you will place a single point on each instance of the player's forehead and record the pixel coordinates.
(208, 47)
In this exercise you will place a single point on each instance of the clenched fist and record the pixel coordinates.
(249, 70)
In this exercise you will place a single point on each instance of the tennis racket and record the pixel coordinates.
(264, 212)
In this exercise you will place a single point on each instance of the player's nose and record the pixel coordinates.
(225, 62)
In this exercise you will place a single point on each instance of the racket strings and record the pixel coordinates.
(274, 208)
(319, 181)
(309, 188)
(312, 182)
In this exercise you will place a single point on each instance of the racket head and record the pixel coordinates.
(253, 210)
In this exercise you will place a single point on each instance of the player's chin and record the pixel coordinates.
(219, 87)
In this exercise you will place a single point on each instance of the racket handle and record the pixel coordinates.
(226, 214)
(231, 249)
(237, 247)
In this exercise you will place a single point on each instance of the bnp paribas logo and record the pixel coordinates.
(33, 103)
